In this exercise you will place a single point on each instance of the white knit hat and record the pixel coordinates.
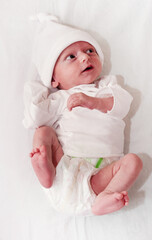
(52, 38)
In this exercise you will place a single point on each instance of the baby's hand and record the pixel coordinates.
(78, 99)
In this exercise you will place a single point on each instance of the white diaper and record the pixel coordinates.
(71, 192)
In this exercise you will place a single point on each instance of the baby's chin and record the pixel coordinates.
(81, 82)
(85, 82)
(89, 81)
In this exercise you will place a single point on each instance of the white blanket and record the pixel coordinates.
(123, 28)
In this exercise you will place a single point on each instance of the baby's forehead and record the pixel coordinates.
(76, 46)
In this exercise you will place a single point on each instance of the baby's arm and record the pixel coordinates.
(81, 99)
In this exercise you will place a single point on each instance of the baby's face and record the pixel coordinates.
(78, 64)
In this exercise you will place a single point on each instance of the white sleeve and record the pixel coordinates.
(40, 109)
(122, 99)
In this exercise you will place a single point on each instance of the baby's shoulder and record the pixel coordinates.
(107, 80)
(59, 96)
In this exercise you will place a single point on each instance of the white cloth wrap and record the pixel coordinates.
(71, 193)
(82, 132)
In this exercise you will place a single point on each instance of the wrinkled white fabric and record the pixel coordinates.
(71, 192)
(82, 132)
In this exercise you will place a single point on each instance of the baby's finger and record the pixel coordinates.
(72, 103)
(69, 102)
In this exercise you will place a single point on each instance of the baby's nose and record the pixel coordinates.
(84, 57)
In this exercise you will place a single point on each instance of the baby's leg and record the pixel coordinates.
(111, 183)
(46, 154)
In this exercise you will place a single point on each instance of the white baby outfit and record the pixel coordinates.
(85, 135)
(82, 132)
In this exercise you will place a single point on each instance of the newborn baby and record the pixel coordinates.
(83, 168)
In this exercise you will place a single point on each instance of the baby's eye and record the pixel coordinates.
(71, 56)
(90, 50)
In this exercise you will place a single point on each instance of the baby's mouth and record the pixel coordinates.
(88, 68)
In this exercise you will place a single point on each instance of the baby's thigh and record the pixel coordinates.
(100, 180)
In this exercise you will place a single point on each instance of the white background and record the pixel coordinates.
(123, 29)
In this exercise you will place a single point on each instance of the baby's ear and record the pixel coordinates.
(54, 83)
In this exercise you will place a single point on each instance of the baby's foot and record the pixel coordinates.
(107, 202)
(41, 159)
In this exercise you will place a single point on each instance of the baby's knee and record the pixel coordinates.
(133, 162)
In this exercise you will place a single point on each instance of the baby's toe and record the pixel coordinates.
(126, 198)
(118, 196)
(34, 150)
(43, 151)
(31, 154)
(37, 150)
(125, 193)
